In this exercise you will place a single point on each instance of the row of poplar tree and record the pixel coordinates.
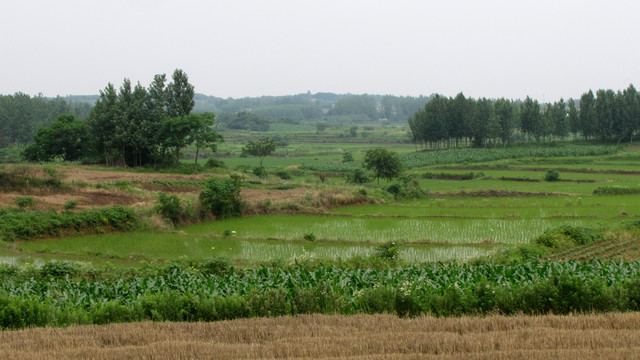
(445, 122)
(132, 126)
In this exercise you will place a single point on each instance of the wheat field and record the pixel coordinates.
(608, 336)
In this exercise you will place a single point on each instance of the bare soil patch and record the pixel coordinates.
(607, 336)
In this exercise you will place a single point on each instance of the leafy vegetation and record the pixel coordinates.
(221, 198)
(18, 224)
(59, 294)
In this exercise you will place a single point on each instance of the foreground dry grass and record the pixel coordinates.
(608, 336)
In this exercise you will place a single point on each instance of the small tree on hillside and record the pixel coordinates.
(262, 147)
(386, 164)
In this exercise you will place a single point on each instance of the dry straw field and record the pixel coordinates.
(608, 336)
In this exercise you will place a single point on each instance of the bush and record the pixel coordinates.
(347, 157)
(169, 207)
(283, 175)
(70, 205)
(552, 175)
(358, 176)
(388, 251)
(24, 201)
(259, 172)
(221, 198)
(567, 236)
(217, 266)
(215, 163)
(59, 269)
(410, 189)
(309, 237)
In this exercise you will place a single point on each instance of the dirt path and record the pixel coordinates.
(583, 337)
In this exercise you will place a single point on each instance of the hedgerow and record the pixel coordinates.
(18, 224)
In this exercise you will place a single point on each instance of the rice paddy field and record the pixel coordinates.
(480, 201)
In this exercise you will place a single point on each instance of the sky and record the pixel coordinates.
(241, 48)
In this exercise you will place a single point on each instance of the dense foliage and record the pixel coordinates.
(22, 115)
(132, 126)
(445, 121)
(384, 163)
(221, 198)
(20, 224)
(60, 293)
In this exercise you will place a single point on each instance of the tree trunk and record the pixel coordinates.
(197, 151)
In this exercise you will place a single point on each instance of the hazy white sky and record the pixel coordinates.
(545, 49)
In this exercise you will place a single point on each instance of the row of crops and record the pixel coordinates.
(58, 296)
(466, 155)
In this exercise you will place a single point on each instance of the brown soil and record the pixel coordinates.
(255, 195)
(88, 196)
(583, 337)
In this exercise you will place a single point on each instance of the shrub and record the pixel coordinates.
(221, 198)
(259, 172)
(552, 175)
(309, 237)
(217, 266)
(567, 236)
(388, 251)
(215, 163)
(70, 205)
(24, 201)
(284, 175)
(169, 207)
(347, 157)
(358, 176)
(59, 269)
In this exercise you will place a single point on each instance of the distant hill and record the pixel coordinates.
(306, 107)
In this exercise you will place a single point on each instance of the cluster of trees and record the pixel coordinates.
(133, 126)
(607, 116)
(326, 107)
(22, 115)
(244, 120)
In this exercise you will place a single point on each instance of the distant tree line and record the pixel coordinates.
(22, 115)
(446, 122)
(132, 126)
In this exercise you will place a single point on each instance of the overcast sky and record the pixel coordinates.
(545, 49)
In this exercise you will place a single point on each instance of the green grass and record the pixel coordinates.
(135, 247)
(379, 229)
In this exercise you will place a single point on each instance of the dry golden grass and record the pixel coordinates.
(608, 336)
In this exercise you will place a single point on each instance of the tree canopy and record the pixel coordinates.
(384, 163)
(262, 147)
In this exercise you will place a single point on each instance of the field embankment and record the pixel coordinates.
(609, 336)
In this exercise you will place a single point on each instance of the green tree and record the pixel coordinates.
(574, 119)
(65, 138)
(179, 95)
(560, 119)
(262, 147)
(102, 123)
(202, 133)
(530, 118)
(631, 111)
(588, 125)
(385, 164)
(505, 119)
